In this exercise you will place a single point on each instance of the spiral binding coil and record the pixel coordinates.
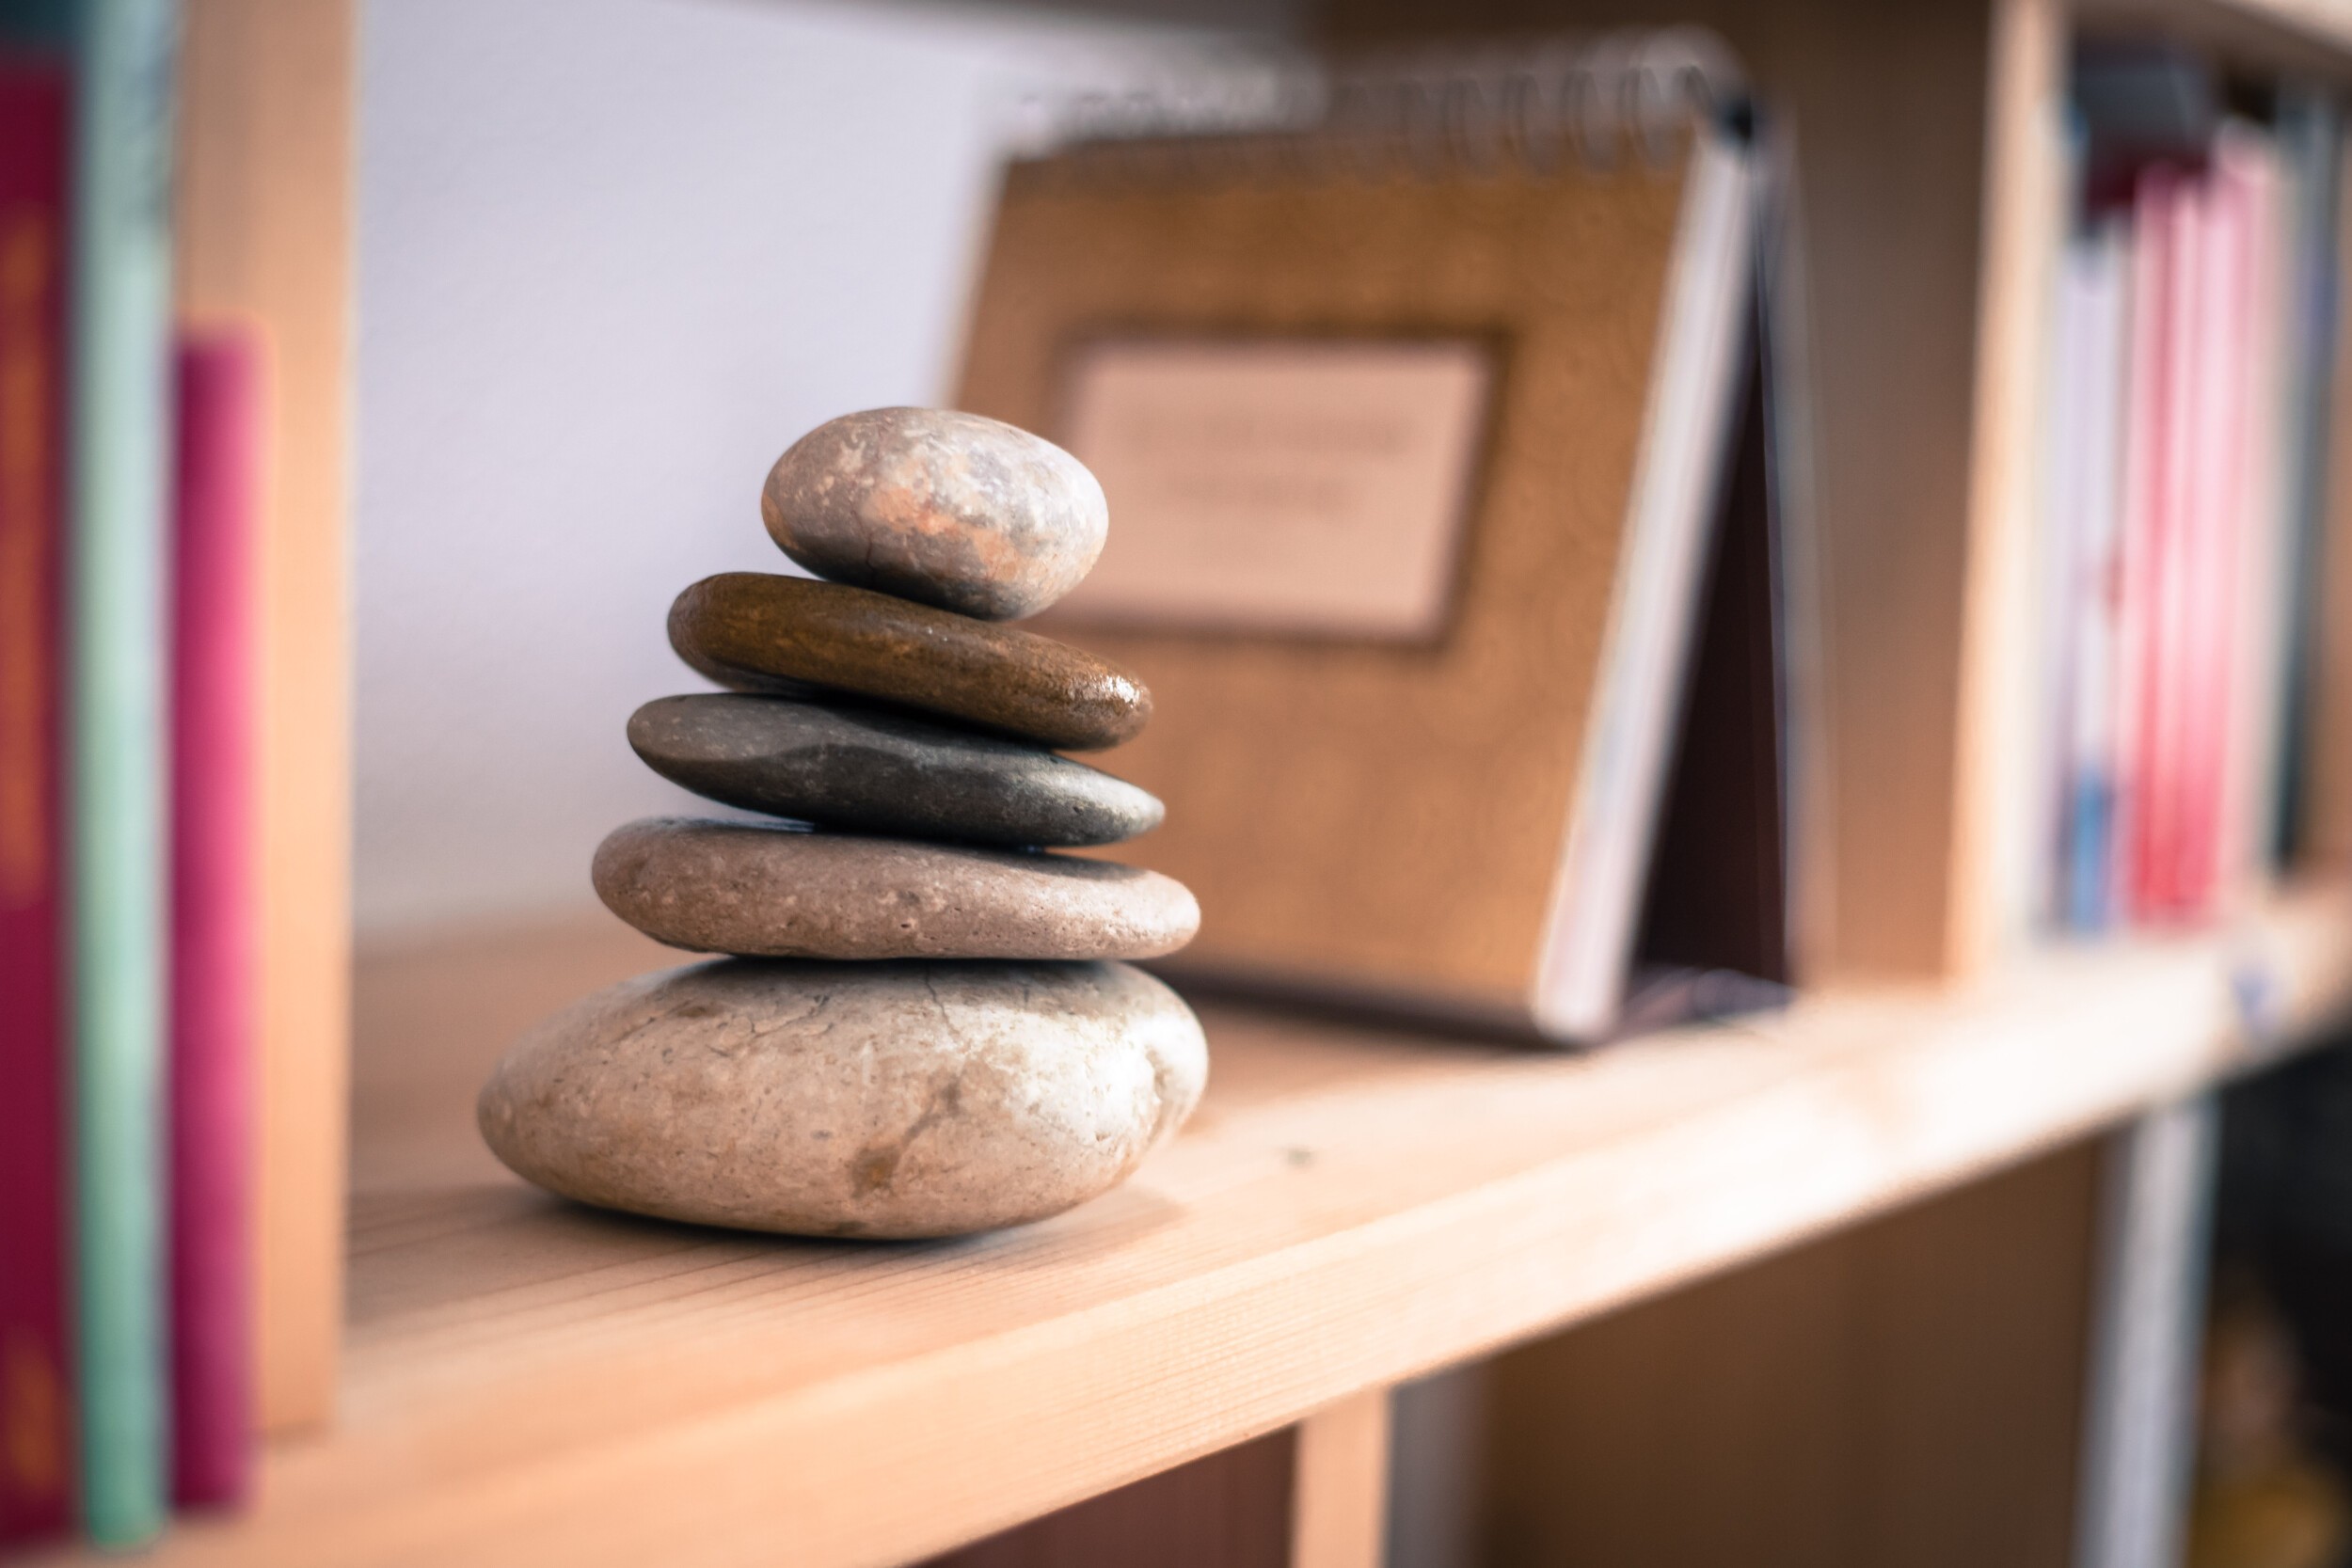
(1536, 104)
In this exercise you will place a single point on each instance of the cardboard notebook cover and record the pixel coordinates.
(1389, 816)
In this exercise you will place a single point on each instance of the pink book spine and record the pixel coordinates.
(2144, 553)
(2213, 541)
(2166, 733)
(2206, 448)
(2248, 161)
(214, 888)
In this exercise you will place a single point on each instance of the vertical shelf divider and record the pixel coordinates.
(1339, 1484)
(263, 218)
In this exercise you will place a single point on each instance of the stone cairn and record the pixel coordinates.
(924, 1029)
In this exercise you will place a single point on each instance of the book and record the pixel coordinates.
(2195, 324)
(2254, 686)
(2202, 579)
(2164, 864)
(120, 423)
(2083, 467)
(2090, 861)
(1414, 453)
(2166, 545)
(2311, 131)
(35, 1446)
(215, 916)
(2324, 820)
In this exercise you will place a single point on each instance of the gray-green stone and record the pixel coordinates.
(881, 772)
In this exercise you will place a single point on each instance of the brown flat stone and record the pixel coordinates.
(969, 514)
(757, 632)
(891, 1099)
(758, 891)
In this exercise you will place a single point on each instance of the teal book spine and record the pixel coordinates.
(121, 445)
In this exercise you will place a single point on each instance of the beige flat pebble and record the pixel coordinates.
(773, 891)
(901, 1099)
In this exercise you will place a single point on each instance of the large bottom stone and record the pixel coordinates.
(873, 1100)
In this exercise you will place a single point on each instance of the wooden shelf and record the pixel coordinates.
(530, 1382)
(2328, 21)
(2296, 35)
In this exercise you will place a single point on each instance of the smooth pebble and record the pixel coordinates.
(757, 890)
(847, 765)
(754, 631)
(878, 1101)
(966, 513)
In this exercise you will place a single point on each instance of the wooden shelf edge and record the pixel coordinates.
(2323, 22)
(1240, 1291)
(2293, 35)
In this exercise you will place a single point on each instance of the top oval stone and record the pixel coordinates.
(954, 510)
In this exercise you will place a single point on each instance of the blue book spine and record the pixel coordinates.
(2090, 873)
(121, 447)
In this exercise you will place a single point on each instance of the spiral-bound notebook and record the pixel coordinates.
(1421, 412)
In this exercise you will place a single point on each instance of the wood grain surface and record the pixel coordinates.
(1340, 1492)
(529, 1382)
(1997, 843)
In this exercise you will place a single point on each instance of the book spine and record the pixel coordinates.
(2148, 377)
(2314, 130)
(2157, 857)
(2208, 576)
(119, 418)
(213, 927)
(2064, 464)
(2251, 165)
(2322, 817)
(2093, 587)
(36, 1457)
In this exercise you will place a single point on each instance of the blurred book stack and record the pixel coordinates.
(129, 572)
(2184, 493)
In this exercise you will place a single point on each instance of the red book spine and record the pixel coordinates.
(214, 938)
(2209, 540)
(36, 1446)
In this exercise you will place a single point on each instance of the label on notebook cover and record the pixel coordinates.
(1290, 486)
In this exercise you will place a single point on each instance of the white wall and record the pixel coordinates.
(615, 254)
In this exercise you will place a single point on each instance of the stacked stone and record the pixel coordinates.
(925, 1026)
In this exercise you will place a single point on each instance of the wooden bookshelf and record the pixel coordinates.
(527, 1381)
(524, 1381)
